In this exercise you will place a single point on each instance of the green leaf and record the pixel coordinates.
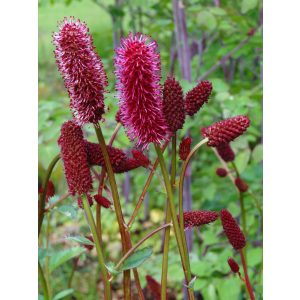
(137, 258)
(63, 294)
(248, 5)
(67, 210)
(257, 154)
(61, 257)
(111, 268)
(242, 160)
(80, 239)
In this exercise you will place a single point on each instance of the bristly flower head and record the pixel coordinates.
(225, 131)
(226, 153)
(81, 69)
(232, 230)
(198, 217)
(196, 97)
(101, 200)
(241, 185)
(221, 172)
(137, 64)
(173, 104)
(233, 265)
(74, 157)
(185, 148)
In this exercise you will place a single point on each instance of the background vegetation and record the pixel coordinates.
(215, 28)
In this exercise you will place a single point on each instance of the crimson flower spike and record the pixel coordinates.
(226, 153)
(81, 69)
(185, 148)
(221, 172)
(173, 104)
(235, 268)
(101, 200)
(225, 131)
(75, 160)
(196, 97)
(154, 287)
(198, 217)
(137, 64)
(241, 185)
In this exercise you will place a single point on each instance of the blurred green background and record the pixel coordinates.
(214, 28)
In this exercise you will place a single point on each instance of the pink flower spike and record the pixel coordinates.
(81, 69)
(137, 64)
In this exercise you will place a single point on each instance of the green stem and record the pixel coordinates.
(164, 273)
(43, 281)
(89, 215)
(181, 181)
(42, 200)
(117, 206)
(174, 218)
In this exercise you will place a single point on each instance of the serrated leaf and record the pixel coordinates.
(80, 239)
(137, 258)
(68, 211)
(61, 257)
(63, 294)
(111, 268)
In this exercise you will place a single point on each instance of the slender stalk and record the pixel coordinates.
(174, 219)
(43, 195)
(247, 281)
(117, 205)
(243, 213)
(75, 264)
(43, 281)
(146, 186)
(131, 250)
(164, 273)
(89, 215)
(181, 181)
(47, 272)
(62, 197)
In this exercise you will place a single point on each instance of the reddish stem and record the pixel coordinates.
(247, 281)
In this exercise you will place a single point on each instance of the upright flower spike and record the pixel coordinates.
(225, 131)
(196, 97)
(233, 265)
(232, 230)
(81, 69)
(197, 218)
(173, 104)
(185, 148)
(226, 153)
(74, 157)
(137, 64)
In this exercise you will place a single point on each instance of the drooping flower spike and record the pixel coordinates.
(196, 97)
(226, 153)
(185, 148)
(75, 160)
(232, 230)
(198, 217)
(225, 131)
(101, 200)
(81, 69)
(137, 64)
(173, 104)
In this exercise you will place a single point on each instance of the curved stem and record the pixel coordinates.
(181, 181)
(131, 250)
(89, 215)
(43, 195)
(174, 219)
(43, 281)
(248, 285)
(146, 186)
(117, 206)
(164, 273)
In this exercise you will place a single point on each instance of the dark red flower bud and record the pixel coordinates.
(221, 172)
(198, 217)
(50, 190)
(233, 265)
(232, 230)
(141, 158)
(225, 131)
(74, 157)
(185, 148)
(95, 156)
(101, 200)
(241, 185)
(89, 247)
(173, 104)
(80, 203)
(195, 98)
(226, 152)
(154, 287)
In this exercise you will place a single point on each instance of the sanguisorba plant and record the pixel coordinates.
(151, 113)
